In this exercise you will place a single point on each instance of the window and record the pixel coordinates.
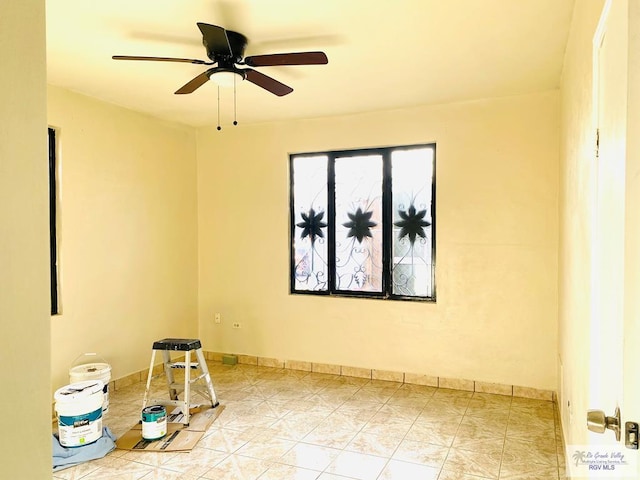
(363, 222)
(53, 238)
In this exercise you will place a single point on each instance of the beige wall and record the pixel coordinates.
(496, 315)
(128, 236)
(24, 256)
(576, 171)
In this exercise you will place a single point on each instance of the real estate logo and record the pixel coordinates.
(601, 461)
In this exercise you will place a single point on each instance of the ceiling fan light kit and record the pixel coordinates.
(225, 77)
(225, 49)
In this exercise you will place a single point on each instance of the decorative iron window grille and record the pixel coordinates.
(363, 222)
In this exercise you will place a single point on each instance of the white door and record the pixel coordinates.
(615, 310)
(614, 376)
(608, 234)
(631, 374)
(615, 322)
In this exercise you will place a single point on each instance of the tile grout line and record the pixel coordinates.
(404, 436)
(504, 443)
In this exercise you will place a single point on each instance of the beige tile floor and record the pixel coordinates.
(284, 424)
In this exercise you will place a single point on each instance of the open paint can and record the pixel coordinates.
(154, 422)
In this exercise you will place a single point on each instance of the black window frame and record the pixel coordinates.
(53, 218)
(387, 224)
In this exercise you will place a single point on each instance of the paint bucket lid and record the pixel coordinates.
(89, 358)
(78, 391)
(90, 369)
(154, 413)
(155, 409)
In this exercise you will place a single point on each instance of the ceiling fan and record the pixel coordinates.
(225, 49)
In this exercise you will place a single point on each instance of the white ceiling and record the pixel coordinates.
(383, 54)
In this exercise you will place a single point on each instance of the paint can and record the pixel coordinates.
(79, 411)
(154, 422)
(92, 371)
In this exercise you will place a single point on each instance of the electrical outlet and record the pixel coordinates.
(237, 325)
(218, 318)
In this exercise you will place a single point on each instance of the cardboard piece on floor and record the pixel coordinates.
(179, 438)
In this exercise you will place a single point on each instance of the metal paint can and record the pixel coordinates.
(154, 422)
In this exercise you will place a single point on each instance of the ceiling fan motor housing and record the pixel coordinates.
(237, 43)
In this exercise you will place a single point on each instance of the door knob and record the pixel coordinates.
(598, 422)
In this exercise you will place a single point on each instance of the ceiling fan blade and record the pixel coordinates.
(268, 83)
(162, 59)
(193, 84)
(301, 58)
(215, 39)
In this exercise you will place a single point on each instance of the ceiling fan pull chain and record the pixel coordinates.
(219, 127)
(235, 109)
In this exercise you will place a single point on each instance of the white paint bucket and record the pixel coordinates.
(92, 371)
(154, 422)
(79, 412)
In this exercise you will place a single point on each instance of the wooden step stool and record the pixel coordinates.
(186, 345)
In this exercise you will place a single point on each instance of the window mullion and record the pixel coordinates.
(331, 221)
(387, 225)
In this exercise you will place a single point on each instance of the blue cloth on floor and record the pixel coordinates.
(64, 457)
